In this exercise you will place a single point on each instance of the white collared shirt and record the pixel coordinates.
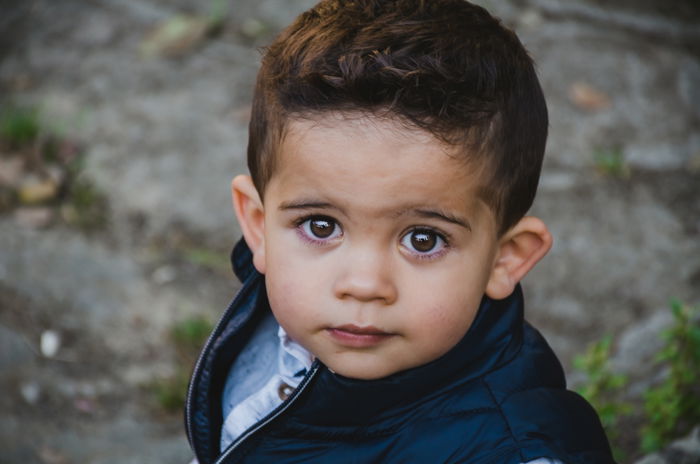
(256, 395)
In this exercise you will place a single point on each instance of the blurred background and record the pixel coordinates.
(122, 123)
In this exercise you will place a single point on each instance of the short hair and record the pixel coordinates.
(444, 66)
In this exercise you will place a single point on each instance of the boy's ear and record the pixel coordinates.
(251, 217)
(519, 250)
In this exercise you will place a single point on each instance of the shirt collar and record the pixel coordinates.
(294, 360)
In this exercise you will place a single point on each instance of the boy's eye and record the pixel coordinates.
(423, 241)
(320, 227)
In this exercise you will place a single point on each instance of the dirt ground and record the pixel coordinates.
(164, 131)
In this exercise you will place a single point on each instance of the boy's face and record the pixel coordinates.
(376, 250)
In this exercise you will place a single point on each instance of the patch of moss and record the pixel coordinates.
(611, 162)
(19, 127)
(188, 336)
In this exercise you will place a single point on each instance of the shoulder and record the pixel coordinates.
(540, 413)
(539, 398)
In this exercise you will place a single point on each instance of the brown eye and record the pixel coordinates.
(423, 241)
(321, 228)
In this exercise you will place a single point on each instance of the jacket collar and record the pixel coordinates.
(242, 260)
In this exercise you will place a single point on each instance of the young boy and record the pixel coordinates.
(395, 147)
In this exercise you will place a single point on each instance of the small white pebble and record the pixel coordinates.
(30, 391)
(50, 343)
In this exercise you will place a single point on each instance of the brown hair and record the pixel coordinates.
(444, 66)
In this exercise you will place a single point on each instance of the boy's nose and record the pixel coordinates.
(366, 277)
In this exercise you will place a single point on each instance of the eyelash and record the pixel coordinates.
(443, 239)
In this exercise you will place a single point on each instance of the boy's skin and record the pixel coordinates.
(375, 246)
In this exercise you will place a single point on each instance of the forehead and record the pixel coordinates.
(378, 162)
(357, 133)
(363, 143)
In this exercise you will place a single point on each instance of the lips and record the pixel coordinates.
(358, 336)
(367, 330)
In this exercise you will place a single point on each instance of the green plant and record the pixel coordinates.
(673, 406)
(602, 388)
(611, 162)
(52, 171)
(170, 392)
(85, 205)
(187, 336)
(19, 126)
(218, 9)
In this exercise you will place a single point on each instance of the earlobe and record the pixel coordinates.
(251, 216)
(519, 250)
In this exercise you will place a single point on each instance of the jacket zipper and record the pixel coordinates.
(272, 415)
(198, 365)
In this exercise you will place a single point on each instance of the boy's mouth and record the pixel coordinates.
(357, 336)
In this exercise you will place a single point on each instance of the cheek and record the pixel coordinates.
(290, 291)
(282, 292)
(450, 322)
(293, 271)
(450, 317)
(439, 332)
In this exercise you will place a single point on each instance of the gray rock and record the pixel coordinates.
(82, 275)
(652, 459)
(15, 351)
(127, 437)
(558, 181)
(688, 446)
(682, 451)
(268, 11)
(634, 73)
(667, 155)
(639, 343)
(688, 89)
(613, 245)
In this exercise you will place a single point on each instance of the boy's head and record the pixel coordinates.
(446, 67)
(395, 147)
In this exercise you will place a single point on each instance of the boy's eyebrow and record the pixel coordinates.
(437, 214)
(306, 204)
